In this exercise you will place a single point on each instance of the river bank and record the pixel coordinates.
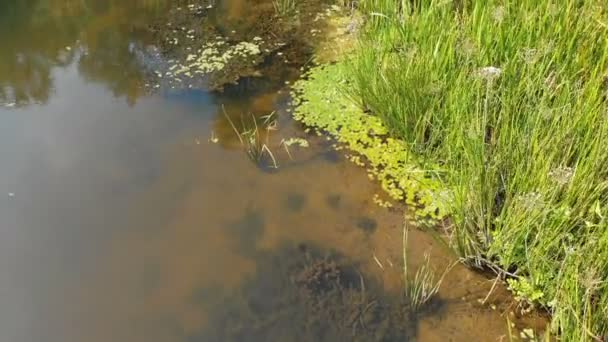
(489, 121)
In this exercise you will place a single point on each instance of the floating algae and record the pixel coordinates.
(198, 51)
(193, 51)
(211, 57)
(322, 104)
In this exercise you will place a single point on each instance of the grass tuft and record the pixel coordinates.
(284, 7)
(253, 140)
(423, 287)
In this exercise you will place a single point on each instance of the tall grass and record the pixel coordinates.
(510, 97)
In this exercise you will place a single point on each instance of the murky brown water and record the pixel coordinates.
(123, 219)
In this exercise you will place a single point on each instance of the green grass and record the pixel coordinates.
(509, 99)
(254, 137)
(284, 7)
(323, 104)
(423, 286)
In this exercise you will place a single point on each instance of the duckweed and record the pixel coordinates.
(213, 57)
(296, 142)
(322, 104)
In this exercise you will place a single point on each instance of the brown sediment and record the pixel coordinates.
(253, 266)
(324, 294)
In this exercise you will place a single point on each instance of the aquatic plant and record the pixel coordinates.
(420, 289)
(323, 104)
(253, 140)
(295, 142)
(284, 7)
(211, 57)
(508, 101)
(286, 143)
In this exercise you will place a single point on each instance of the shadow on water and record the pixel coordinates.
(367, 224)
(333, 201)
(305, 293)
(248, 229)
(295, 202)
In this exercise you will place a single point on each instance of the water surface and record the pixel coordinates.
(131, 211)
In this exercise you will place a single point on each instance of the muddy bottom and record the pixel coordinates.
(304, 293)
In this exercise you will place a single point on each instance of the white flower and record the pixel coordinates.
(591, 280)
(529, 55)
(562, 175)
(546, 113)
(551, 81)
(531, 201)
(498, 14)
(467, 47)
(489, 73)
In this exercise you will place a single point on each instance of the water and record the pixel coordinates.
(131, 211)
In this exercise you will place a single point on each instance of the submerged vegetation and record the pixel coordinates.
(494, 114)
(323, 291)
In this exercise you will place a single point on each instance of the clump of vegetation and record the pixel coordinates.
(423, 287)
(255, 139)
(211, 57)
(215, 62)
(284, 7)
(494, 112)
(322, 103)
(325, 292)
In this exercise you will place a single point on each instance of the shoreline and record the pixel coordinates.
(334, 98)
